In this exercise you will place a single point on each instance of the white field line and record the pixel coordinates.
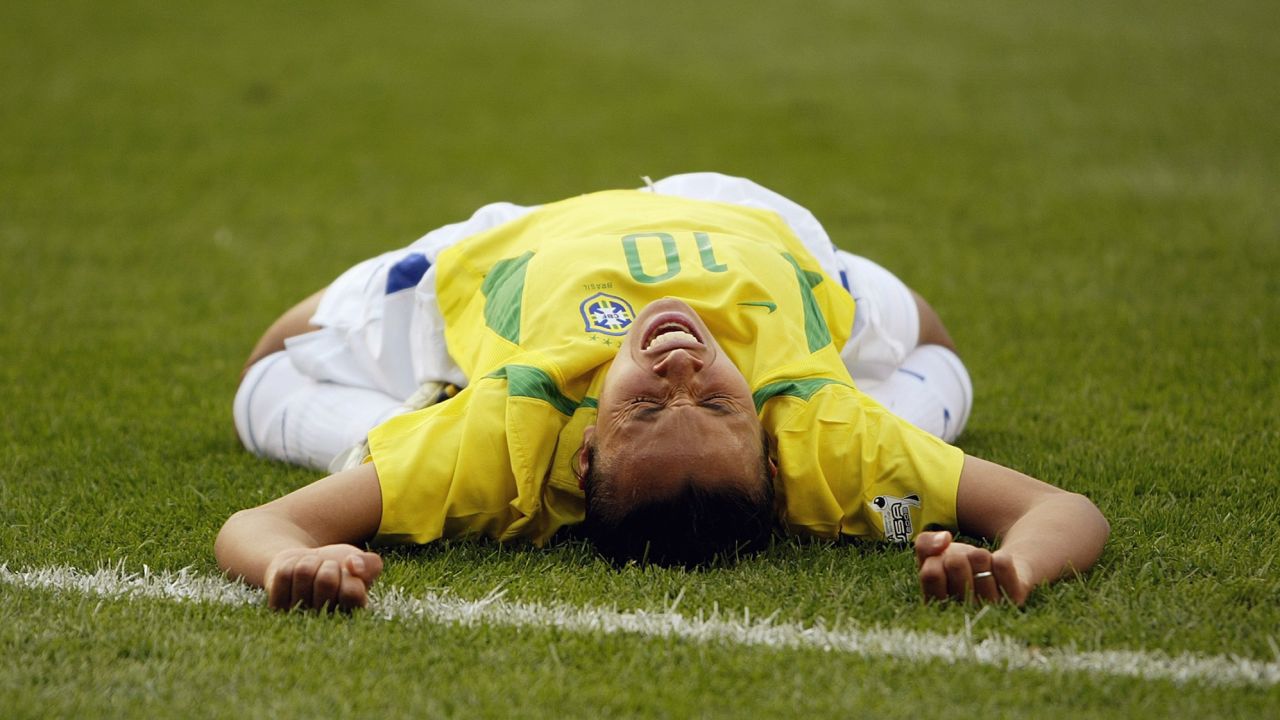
(393, 604)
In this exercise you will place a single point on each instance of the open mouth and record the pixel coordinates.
(671, 332)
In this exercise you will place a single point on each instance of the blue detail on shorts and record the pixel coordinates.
(946, 420)
(407, 272)
(912, 373)
(844, 280)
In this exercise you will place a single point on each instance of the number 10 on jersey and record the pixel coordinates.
(670, 253)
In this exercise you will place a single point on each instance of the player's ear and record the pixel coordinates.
(582, 458)
(771, 452)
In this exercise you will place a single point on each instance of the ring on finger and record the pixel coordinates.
(983, 574)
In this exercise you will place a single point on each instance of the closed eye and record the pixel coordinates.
(719, 405)
(644, 408)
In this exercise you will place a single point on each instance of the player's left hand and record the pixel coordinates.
(332, 577)
(960, 571)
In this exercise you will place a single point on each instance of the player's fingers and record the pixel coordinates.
(985, 585)
(929, 544)
(933, 579)
(366, 565)
(304, 578)
(959, 574)
(325, 589)
(1006, 575)
(280, 585)
(354, 593)
(373, 564)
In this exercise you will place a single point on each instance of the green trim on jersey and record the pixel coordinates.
(816, 331)
(530, 382)
(503, 289)
(803, 389)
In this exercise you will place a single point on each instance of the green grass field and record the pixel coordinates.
(1087, 192)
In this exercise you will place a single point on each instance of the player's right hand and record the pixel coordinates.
(951, 570)
(332, 577)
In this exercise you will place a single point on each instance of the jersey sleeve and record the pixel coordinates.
(475, 467)
(849, 467)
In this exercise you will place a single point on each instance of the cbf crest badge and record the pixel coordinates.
(607, 314)
(896, 514)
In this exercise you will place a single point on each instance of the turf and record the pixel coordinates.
(1086, 192)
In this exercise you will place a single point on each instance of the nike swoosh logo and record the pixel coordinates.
(771, 306)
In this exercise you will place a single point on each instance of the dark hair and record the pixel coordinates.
(692, 527)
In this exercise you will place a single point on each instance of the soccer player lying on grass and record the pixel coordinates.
(683, 369)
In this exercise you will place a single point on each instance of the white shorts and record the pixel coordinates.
(886, 321)
(381, 331)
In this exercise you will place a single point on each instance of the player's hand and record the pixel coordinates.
(333, 577)
(947, 571)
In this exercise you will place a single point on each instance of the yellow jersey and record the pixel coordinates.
(534, 313)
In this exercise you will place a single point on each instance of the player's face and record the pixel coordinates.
(673, 402)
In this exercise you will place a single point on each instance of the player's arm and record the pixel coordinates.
(1044, 532)
(303, 547)
(295, 321)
